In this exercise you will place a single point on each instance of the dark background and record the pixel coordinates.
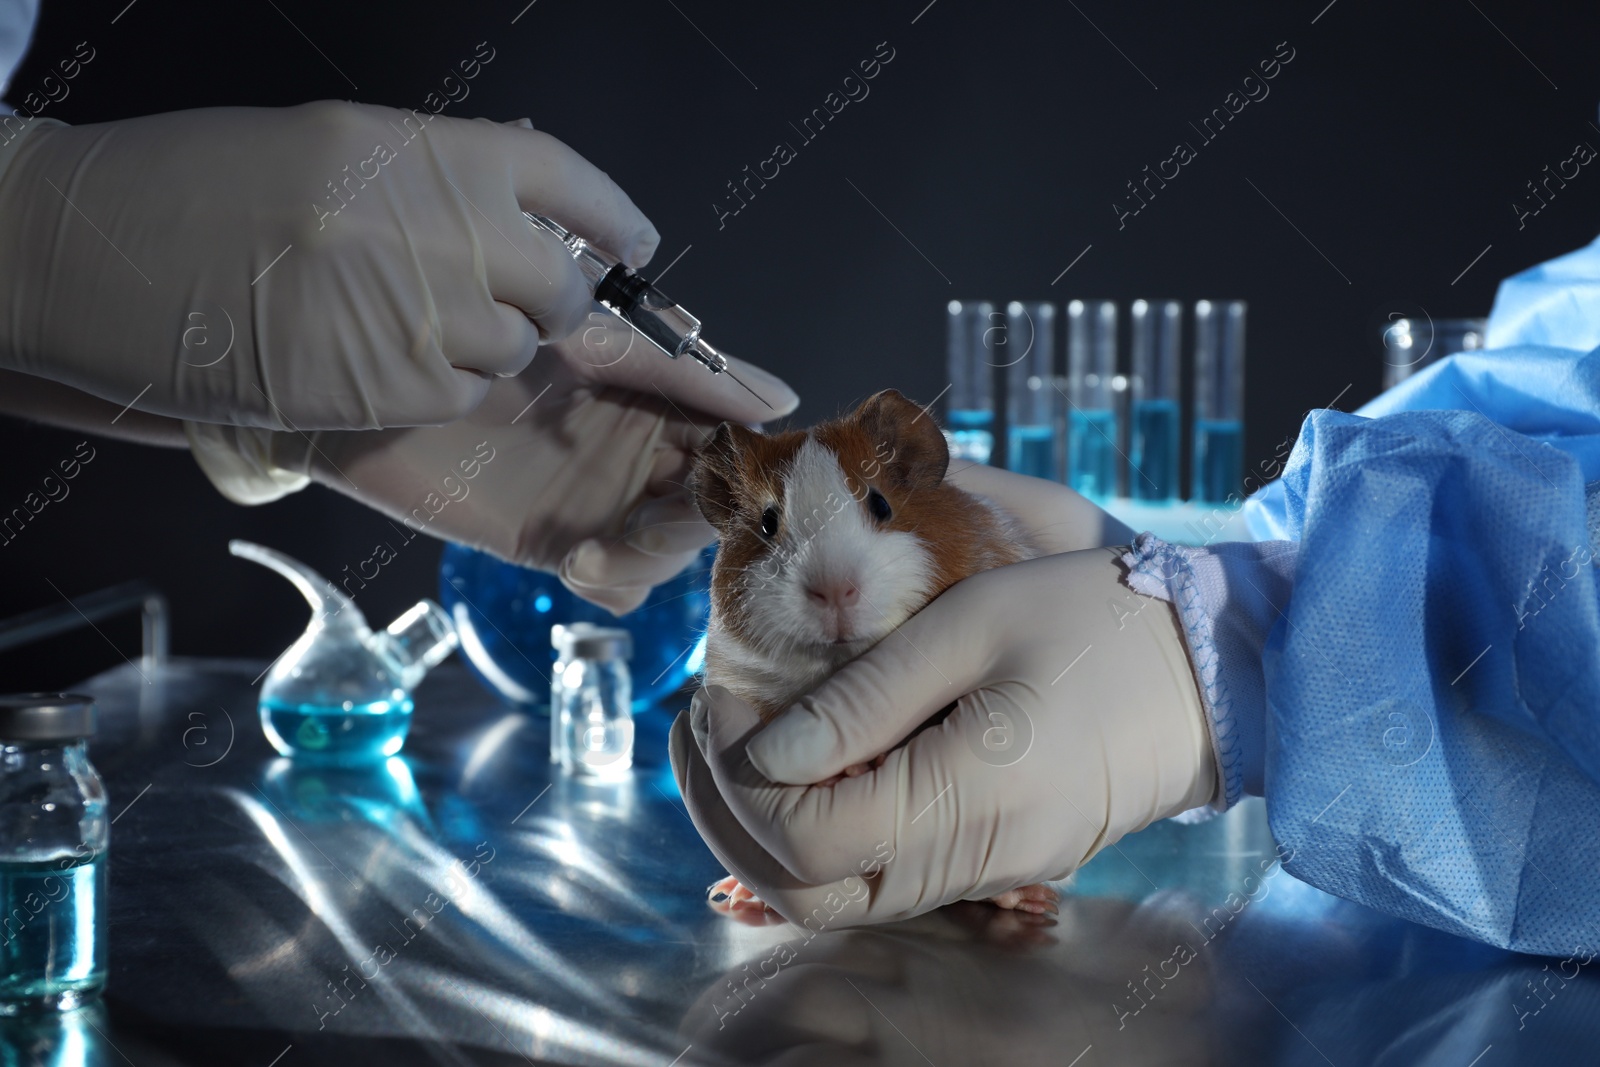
(991, 149)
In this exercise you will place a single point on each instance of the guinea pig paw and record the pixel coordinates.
(1037, 899)
(721, 892)
(730, 897)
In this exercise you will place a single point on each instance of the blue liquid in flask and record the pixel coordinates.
(1155, 451)
(504, 612)
(53, 952)
(1218, 459)
(1092, 452)
(340, 733)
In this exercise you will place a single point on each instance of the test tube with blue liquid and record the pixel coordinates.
(1218, 400)
(1092, 416)
(972, 329)
(1031, 395)
(1157, 337)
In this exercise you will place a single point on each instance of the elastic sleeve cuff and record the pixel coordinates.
(247, 464)
(1228, 597)
(14, 129)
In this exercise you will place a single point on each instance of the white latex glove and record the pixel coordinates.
(1082, 723)
(574, 466)
(320, 266)
(1057, 518)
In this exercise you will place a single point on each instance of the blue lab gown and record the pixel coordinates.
(1432, 688)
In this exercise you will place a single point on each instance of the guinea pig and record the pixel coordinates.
(830, 538)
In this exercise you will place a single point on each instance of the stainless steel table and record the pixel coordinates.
(462, 905)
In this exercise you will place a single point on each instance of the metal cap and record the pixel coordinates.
(562, 634)
(602, 643)
(46, 716)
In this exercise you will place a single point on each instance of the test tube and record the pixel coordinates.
(1092, 417)
(971, 330)
(1029, 357)
(1157, 336)
(1218, 400)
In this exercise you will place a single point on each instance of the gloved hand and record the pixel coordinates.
(574, 466)
(1081, 723)
(332, 265)
(1056, 518)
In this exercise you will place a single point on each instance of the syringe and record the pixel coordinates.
(634, 298)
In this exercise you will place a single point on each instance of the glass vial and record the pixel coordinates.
(1157, 339)
(561, 637)
(1218, 400)
(591, 707)
(972, 329)
(1029, 357)
(1092, 416)
(54, 839)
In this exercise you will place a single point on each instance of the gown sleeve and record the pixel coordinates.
(1416, 677)
(1430, 713)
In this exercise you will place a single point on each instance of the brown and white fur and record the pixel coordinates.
(830, 539)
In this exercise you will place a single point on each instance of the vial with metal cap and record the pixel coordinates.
(54, 839)
(562, 635)
(591, 700)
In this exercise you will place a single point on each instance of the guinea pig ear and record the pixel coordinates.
(905, 438)
(718, 472)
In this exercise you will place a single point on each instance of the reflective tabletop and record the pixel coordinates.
(462, 904)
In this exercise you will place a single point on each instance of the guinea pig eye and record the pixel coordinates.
(878, 506)
(769, 522)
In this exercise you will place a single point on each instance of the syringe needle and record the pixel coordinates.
(749, 390)
(635, 300)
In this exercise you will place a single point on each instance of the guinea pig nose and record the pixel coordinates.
(837, 594)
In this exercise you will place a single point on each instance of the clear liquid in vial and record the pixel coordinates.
(52, 932)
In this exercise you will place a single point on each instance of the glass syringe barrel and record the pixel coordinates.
(1218, 399)
(1157, 340)
(635, 299)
